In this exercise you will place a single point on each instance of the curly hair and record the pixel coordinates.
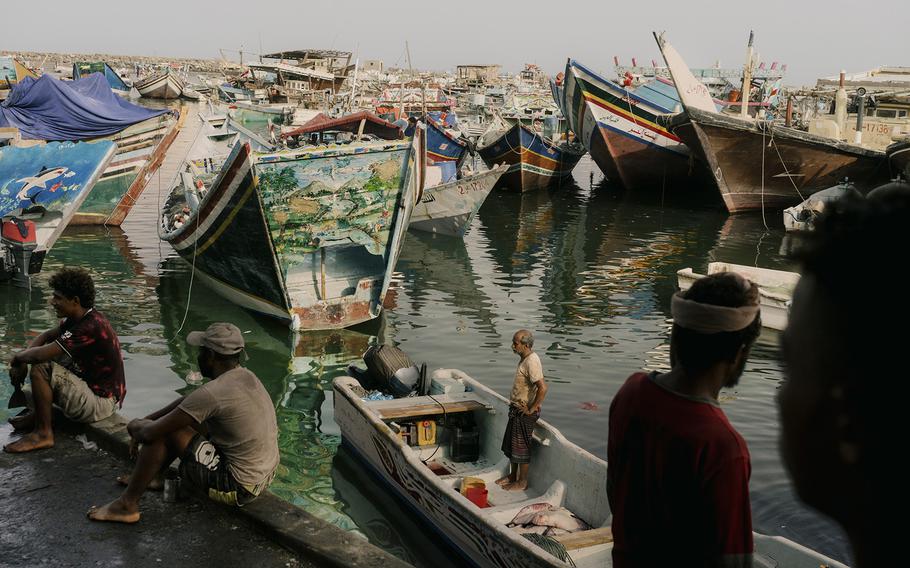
(696, 351)
(75, 283)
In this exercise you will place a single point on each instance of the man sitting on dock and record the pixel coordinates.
(678, 481)
(76, 365)
(841, 403)
(528, 391)
(236, 462)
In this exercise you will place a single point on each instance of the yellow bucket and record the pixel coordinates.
(468, 482)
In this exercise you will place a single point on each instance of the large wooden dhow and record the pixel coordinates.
(162, 85)
(309, 236)
(757, 164)
(619, 126)
(534, 161)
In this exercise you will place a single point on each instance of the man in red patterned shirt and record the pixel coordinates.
(76, 365)
(678, 481)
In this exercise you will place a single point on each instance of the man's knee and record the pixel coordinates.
(41, 372)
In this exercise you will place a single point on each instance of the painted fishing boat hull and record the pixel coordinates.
(164, 85)
(899, 158)
(30, 189)
(533, 161)
(309, 236)
(567, 475)
(620, 129)
(442, 146)
(775, 288)
(141, 149)
(117, 84)
(449, 208)
(758, 165)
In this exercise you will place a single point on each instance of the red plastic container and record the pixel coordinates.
(478, 496)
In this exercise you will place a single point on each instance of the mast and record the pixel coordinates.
(747, 79)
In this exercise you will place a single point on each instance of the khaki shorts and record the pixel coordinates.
(73, 396)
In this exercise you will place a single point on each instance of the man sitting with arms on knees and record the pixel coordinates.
(528, 391)
(237, 461)
(76, 365)
(678, 481)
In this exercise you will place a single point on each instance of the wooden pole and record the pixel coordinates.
(747, 79)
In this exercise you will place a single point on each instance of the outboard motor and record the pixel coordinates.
(16, 247)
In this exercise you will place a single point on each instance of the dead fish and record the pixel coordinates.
(562, 519)
(555, 531)
(589, 406)
(527, 513)
(531, 530)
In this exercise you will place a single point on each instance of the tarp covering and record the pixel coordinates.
(86, 68)
(49, 109)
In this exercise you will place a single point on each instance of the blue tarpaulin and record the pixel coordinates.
(49, 109)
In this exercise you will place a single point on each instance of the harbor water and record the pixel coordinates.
(588, 268)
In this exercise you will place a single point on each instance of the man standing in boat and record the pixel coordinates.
(236, 461)
(678, 480)
(528, 392)
(76, 365)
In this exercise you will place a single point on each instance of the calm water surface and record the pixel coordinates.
(589, 269)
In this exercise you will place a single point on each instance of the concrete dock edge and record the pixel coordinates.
(285, 523)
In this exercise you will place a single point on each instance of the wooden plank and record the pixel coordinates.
(432, 408)
(584, 539)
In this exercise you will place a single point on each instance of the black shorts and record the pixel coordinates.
(205, 468)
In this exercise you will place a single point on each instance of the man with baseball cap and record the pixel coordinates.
(236, 461)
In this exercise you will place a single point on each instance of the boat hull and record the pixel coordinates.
(623, 135)
(140, 152)
(534, 162)
(443, 147)
(774, 167)
(162, 86)
(276, 236)
(448, 209)
(28, 175)
(775, 289)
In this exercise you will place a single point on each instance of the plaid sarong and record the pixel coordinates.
(516, 442)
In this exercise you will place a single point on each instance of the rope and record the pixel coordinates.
(763, 220)
(779, 157)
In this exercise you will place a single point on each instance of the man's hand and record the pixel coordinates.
(17, 372)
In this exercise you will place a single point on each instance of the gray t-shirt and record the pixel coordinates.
(241, 422)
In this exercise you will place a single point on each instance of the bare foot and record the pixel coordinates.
(505, 480)
(22, 421)
(115, 512)
(157, 483)
(30, 443)
(517, 486)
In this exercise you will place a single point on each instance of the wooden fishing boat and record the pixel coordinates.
(141, 149)
(757, 164)
(428, 477)
(117, 84)
(619, 126)
(43, 186)
(309, 236)
(534, 161)
(899, 158)
(429, 474)
(449, 208)
(11, 72)
(164, 85)
(775, 288)
(442, 146)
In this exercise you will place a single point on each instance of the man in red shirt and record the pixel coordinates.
(76, 365)
(678, 476)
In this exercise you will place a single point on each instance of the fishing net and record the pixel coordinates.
(552, 546)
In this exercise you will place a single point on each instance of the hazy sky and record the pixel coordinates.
(814, 38)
